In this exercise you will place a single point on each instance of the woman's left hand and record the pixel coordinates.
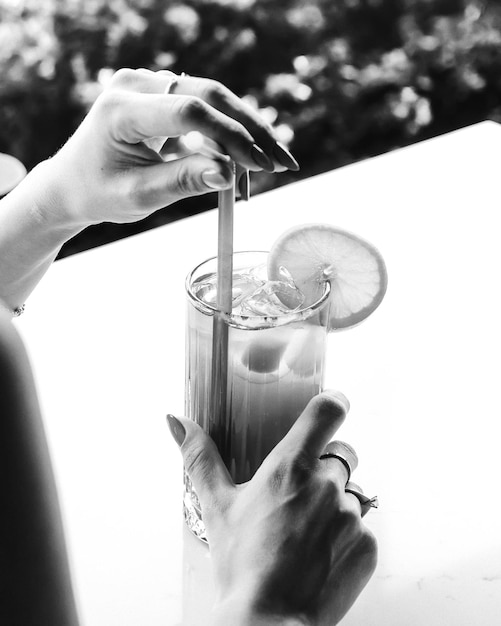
(289, 546)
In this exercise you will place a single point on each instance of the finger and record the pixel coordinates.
(141, 80)
(366, 503)
(145, 81)
(349, 573)
(215, 94)
(158, 185)
(135, 117)
(223, 99)
(352, 504)
(202, 461)
(352, 497)
(316, 425)
(355, 504)
(340, 459)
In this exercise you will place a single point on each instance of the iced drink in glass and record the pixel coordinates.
(275, 363)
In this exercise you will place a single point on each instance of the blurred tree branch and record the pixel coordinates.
(341, 81)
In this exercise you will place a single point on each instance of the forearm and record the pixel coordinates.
(33, 228)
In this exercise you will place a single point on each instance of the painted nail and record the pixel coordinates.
(244, 185)
(176, 428)
(261, 159)
(284, 157)
(215, 180)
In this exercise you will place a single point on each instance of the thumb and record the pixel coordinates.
(164, 183)
(202, 461)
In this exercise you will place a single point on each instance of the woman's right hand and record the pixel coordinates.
(107, 171)
(289, 546)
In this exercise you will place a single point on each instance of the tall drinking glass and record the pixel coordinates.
(274, 366)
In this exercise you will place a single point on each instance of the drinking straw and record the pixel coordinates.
(226, 204)
(219, 383)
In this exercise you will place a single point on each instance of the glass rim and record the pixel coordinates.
(253, 321)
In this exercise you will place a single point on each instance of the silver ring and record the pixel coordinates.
(345, 462)
(365, 503)
(170, 84)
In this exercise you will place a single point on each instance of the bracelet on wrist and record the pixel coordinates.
(19, 310)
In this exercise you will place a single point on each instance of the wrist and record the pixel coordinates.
(50, 202)
(33, 227)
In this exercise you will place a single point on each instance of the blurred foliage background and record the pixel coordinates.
(341, 80)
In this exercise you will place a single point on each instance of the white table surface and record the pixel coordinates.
(105, 331)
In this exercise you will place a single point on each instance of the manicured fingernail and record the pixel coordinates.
(261, 159)
(339, 397)
(244, 185)
(284, 157)
(215, 180)
(176, 428)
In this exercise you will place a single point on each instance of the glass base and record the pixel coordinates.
(192, 510)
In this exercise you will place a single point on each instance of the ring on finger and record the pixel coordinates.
(344, 453)
(332, 455)
(171, 82)
(366, 503)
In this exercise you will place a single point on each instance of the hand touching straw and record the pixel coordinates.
(194, 141)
